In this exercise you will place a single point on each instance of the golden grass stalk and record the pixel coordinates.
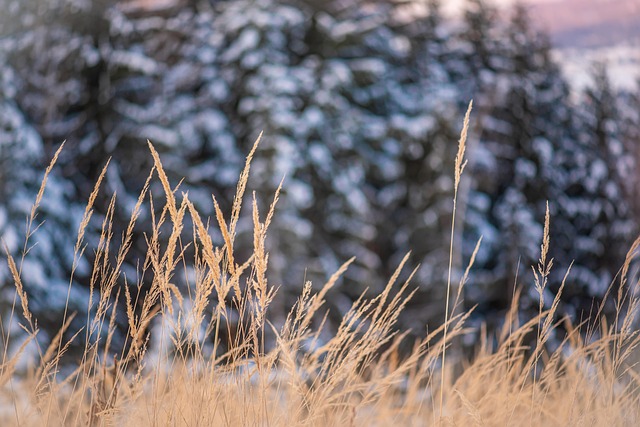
(361, 374)
(460, 164)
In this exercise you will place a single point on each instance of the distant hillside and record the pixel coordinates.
(589, 23)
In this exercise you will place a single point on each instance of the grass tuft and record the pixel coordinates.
(200, 356)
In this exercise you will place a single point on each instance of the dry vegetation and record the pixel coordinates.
(357, 376)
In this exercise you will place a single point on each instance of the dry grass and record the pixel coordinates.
(358, 376)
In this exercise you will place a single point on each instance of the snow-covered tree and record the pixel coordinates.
(535, 148)
(604, 224)
(360, 104)
(51, 49)
(39, 241)
(629, 102)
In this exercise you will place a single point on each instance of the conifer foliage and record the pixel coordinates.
(358, 103)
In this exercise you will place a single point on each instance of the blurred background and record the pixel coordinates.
(361, 104)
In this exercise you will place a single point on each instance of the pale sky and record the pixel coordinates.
(455, 5)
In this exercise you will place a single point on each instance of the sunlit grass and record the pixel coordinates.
(206, 370)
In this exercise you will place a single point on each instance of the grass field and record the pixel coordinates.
(300, 376)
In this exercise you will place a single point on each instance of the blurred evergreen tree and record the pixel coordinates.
(604, 223)
(360, 123)
(535, 147)
(46, 257)
(50, 63)
(525, 125)
(630, 114)
(360, 103)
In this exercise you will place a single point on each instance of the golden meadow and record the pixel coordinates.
(300, 376)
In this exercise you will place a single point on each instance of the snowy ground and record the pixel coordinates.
(623, 63)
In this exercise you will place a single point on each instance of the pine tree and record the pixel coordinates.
(60, 92)
(525, 129)
(361, 125)
(534, 149)
(604, 225)
(629, 101)
(37, 240)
